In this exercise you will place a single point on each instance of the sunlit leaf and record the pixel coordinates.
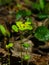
(18, 23)
(3, 30)
(14, 28)
(7, 46)
(19, 5)
(22, 27)
(10, 44)
(28, 25)
(26, 57)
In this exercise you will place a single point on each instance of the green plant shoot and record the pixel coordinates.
(14, 28)
(26, 57)
(26, 45)
(9, 45)
(3, 30)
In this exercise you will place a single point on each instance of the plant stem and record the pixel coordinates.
(21, 50)
(8, 58)
(26, 53)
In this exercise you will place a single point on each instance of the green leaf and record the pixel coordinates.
(7, 46)
(42, 4)
(42, 16)
(23, 13)
(18, 23)
(19, 5)
(35, 6)
(26, 45)
(29, 19)
(42, 33)
(26, 57)
(14, 28)
(28, 25)
(10, 45)
(18, 15)
(29, 28)
(3, 2)
(3, 30)
(24, 26)
(26, 1)
(28, 12)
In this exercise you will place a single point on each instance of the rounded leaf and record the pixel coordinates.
(26, 57)
(28, 12)
(27, 22)
(14, 28)
(10, 45)
(3, 30)
(22, 27)
(18, 23)
(26, 45)
(28, 25)
(42, 33)
(7, 46)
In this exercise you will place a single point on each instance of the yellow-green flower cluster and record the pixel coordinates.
(22, 26)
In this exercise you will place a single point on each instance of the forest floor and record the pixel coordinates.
(39, 51)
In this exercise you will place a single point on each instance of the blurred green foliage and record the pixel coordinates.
(42, 4)
(3, 2)
(26, 45)
(47, 8)
(23, 13)
(26, 57)
(10, 45)
(24, 26)
(42, 16)
(3, 30)
(42, 33)
(14, 28)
